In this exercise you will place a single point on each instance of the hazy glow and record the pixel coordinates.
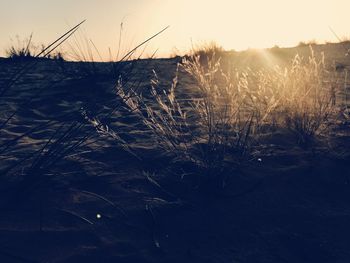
(235, 24)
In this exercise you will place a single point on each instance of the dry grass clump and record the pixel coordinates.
(220, 121)
(300, 97)
(207, 49)
(211, 128)
(22, 49)
(25, 49)
(308, 98)
(207, 52)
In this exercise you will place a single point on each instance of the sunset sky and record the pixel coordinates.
(234, 24)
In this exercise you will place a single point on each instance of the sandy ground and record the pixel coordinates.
(101, 204)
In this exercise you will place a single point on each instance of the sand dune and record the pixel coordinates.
(100, 203)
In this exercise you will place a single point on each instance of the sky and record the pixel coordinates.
(233, 24)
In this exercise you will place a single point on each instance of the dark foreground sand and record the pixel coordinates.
(101, 204)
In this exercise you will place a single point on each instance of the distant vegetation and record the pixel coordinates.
(25, 49)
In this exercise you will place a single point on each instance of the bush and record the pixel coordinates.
(58, 56)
